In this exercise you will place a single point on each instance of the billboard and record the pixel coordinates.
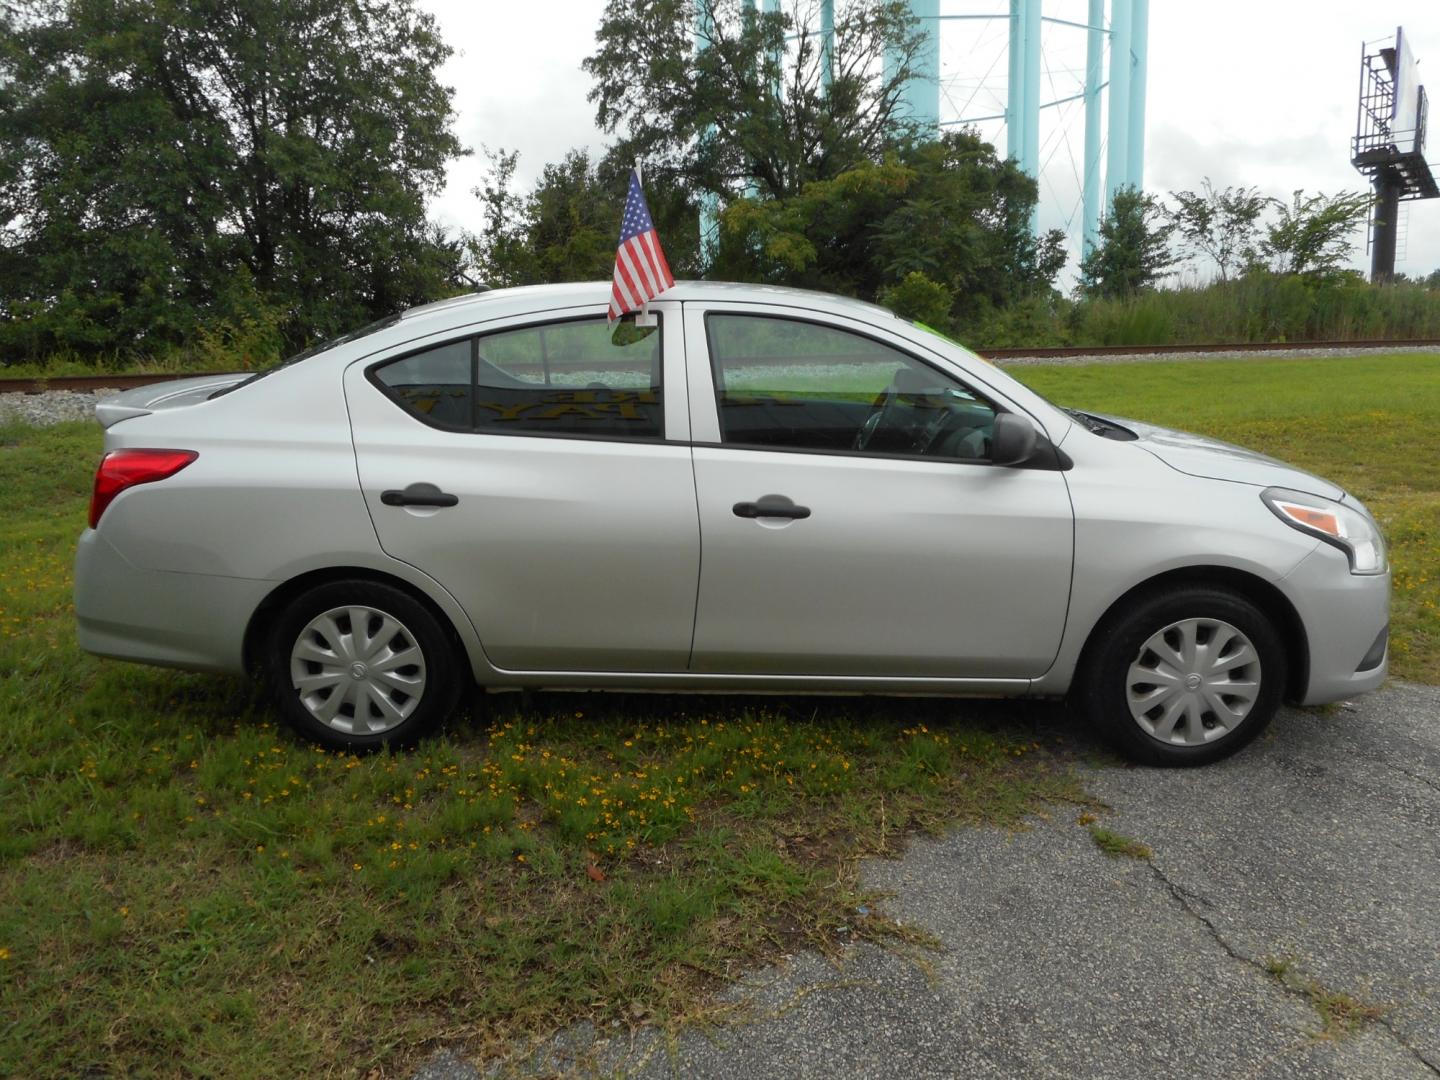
(1406, 124)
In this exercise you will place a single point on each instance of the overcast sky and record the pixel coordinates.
(1254, 93)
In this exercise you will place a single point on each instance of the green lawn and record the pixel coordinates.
(186, 889)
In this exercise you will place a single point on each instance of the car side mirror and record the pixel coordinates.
(1012, 440)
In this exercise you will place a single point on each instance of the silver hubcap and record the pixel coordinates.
(1193, 682)
(358, 670)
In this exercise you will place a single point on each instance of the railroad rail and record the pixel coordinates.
(86, 383)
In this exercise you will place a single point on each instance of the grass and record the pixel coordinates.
(1369, 423)
(1341, 1015)
(1118, 846)
(185, 889)
(1256, 307)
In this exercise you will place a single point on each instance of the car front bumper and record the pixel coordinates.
(1346, 618)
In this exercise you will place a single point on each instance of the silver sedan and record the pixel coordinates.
(745, 488)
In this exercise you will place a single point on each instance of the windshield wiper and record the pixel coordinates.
(1093, 424)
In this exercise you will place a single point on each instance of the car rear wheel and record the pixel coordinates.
(1184, 677)
(357, 665)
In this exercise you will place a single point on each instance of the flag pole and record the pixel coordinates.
(643, 316)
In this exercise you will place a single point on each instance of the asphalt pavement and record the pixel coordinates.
(1315, 851)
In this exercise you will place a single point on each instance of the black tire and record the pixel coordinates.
(437, 676)
(1103, 687)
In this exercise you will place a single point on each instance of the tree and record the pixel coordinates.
(1222, 225)
(1314, 235)
(949, 210)
(165, 163)
(751, 110)
(921, 298)
(567, 227)
(1133, 248)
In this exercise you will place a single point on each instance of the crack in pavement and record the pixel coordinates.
(1185, 898)
(1413, 776)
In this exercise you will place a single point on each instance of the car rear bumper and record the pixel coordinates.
(192, 621)
(1346, 618)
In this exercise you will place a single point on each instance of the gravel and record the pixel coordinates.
(51, 406)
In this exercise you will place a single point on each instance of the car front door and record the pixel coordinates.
(539, 472)
(851, 522)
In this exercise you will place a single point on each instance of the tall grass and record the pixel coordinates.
(1260, 308)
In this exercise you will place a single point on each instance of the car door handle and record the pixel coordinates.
(418, 495)
(769, 506)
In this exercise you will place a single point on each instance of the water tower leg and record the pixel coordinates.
(1135, 137)
(1094, 76)
(827, 42)
(709, 204)
(1117, 152)
(1030, 162)
(772, 7)
(1015, 84)
(922, 92)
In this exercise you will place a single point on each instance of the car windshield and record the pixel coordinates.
(313, 350)
(1004, 377)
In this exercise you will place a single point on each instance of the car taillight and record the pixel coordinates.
(120, 469)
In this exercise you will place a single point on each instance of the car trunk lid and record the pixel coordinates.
(173, 394)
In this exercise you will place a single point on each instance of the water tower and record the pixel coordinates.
(1115, 35)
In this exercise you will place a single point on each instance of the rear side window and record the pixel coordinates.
(577, 378)
(571, 378)
(434, 384)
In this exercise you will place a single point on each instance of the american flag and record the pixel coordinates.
(641, 272)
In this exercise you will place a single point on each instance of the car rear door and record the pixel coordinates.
(909, 556)
(559, 444)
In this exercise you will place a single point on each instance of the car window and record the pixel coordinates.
(799, 385)
(434, 384)
(579, 377)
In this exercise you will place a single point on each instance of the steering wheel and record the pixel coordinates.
(872, 422)
(931, 433)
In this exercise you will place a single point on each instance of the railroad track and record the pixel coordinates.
(83, 383)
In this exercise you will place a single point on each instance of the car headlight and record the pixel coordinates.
(1348, 528)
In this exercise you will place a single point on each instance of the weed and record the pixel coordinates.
(1341, 1015)
(1117, 845)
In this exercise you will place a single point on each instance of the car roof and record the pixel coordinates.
(542, 297)
(429, 322)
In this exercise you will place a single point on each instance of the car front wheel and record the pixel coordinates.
(1184, 677)
(357, 665)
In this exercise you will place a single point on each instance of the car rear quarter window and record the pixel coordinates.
(434, 384)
